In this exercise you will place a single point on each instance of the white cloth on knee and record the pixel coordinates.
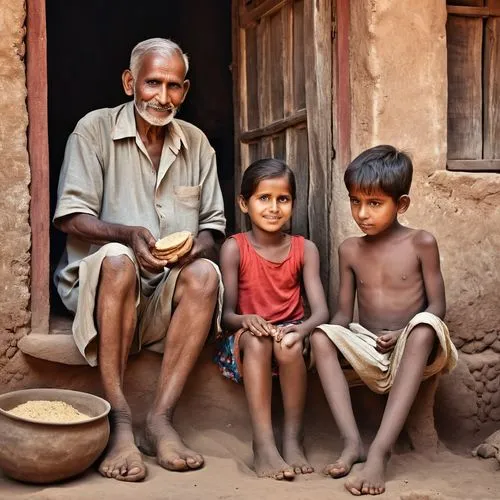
(377, 370)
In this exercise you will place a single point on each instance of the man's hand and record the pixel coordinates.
(142, 242)
(258, 326)
(386, 342)
(203, 247)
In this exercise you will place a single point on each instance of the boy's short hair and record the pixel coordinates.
(381, 168)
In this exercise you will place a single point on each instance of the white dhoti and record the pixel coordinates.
(153, 303)
(377, 370)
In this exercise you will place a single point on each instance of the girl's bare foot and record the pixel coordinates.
(123, 461)
(293, 452)
(161, 440)
(269, 463)
(371, 479)
(351, 454)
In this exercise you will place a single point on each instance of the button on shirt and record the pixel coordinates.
(107, 173)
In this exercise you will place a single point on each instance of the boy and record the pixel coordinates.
(395, 273)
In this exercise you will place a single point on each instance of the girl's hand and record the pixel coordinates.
(257, 325)
(291, 335)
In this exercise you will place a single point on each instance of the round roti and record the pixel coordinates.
(172, 241)
(174, 254)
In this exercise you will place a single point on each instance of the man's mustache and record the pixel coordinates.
(159, 107)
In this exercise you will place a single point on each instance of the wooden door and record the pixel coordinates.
(282, 70)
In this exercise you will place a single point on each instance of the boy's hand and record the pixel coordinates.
(258, 326)
(386, 342)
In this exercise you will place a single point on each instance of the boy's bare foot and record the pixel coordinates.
(293, 453)
(351, 454)
(371, 479)
(123, 461)
(269, 463)
(161, 440)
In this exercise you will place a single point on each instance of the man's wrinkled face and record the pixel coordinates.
(160, 88)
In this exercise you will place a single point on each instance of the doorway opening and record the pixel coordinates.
(88, 47)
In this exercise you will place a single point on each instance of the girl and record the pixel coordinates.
(262, 271)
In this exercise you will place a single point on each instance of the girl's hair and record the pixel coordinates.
(382, 168)
(266, 168)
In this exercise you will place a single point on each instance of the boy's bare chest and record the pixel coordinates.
(391, 269)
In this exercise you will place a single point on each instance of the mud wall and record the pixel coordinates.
(398, 68)
(14, 185)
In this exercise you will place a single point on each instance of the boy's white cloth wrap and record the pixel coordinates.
(377, 370)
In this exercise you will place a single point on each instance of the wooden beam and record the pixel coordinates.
(318, 56)
(343, 83)
(38, 149)
(473, 11)
(239, 82)
(474, 165)
(275, 127)
(249, 17)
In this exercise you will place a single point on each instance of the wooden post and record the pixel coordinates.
(343, 84)
(38, 149)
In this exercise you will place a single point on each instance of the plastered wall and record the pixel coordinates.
(399, 96)
(14, 187)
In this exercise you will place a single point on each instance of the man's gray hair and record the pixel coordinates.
(162, 46)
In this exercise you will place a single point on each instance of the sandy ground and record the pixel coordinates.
(411, 477)
(212, 418)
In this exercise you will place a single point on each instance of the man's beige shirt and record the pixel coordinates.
(107, 173)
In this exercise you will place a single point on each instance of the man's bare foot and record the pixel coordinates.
(269, 463)
(371, 479)
(351, 454)
(123, 461)
(161, 440)
(293, 453)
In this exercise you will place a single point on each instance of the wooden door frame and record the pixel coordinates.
(38, 151)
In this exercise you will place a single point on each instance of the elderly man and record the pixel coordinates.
(131, 175)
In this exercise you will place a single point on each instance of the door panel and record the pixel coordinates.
(282, 72)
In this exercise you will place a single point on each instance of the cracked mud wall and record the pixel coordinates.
(399, 96)
(14, 186)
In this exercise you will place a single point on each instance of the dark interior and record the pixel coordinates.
(89, 45)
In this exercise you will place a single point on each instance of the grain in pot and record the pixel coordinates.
(49, 411)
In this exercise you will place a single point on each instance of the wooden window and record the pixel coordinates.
(473, 40)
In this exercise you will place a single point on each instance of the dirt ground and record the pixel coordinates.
(227, 475)
(212, 418)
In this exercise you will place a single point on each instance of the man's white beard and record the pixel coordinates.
(142, 109)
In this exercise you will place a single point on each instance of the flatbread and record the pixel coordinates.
(177, 252)
(180, 251)
(172, 241)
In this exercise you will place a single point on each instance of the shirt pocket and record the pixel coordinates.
(187, 201)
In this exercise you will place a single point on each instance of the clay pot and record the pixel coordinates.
(41, 452)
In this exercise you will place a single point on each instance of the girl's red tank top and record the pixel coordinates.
(270, 289)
